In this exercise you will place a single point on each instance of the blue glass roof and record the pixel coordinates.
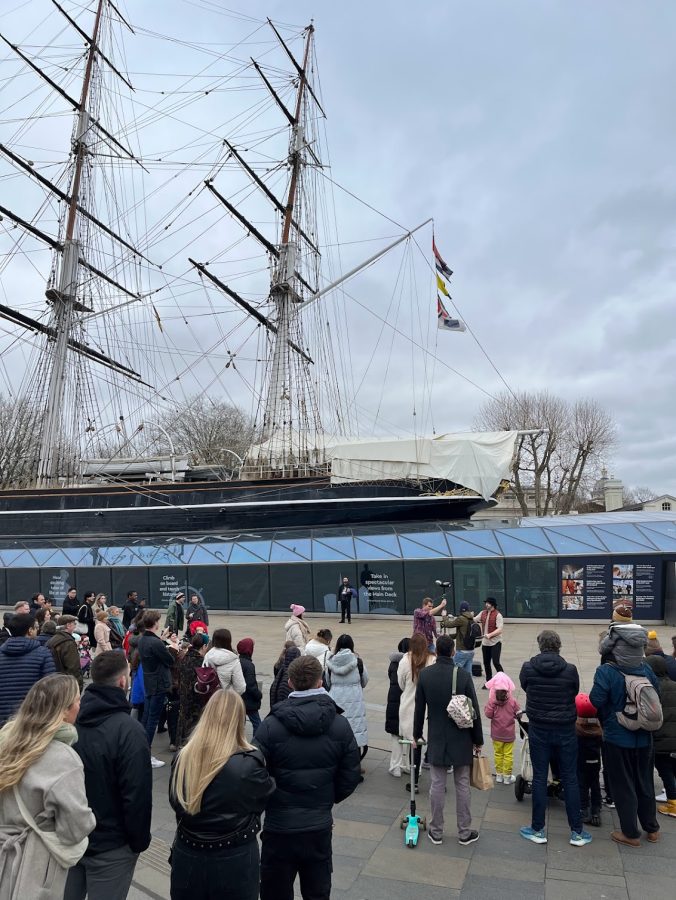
(629, 533)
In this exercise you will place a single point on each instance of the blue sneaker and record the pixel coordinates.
(579, 839)
(537, 837)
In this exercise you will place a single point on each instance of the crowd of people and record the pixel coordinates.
(76, 780)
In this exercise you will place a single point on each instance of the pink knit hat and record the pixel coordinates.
(297, 610)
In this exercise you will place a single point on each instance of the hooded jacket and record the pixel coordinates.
(157, 662)
(502, 714)
(551, 685)
(297, 631)
(253, 695)
(118, 777)
(228, 668)
(63, 647)
(22, 662)
(196, 614)
(279, 689)
(347, 676)
(609, 696)
(461, 624)
(312, 755)
(624, 644)
(175, 617)
(319, 650)
(665, 738)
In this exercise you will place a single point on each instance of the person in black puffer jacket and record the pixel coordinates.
(551, 685)
(215, 853)
(22, 662)
(118, 780)
(392, 709)
(665, 739)
(279, 689)
(252, 696)
(312, 754)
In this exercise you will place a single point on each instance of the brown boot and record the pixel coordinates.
(621, 838)
(652, 836)
(669, 809)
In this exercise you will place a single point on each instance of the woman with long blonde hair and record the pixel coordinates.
(44, 814)
(410, 666)
(219, 787)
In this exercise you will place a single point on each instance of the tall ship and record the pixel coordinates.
(179, 246)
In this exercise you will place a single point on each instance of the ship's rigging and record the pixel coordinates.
(156, 219)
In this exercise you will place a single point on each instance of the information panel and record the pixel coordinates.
(591, 588)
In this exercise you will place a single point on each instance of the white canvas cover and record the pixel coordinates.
(476, 460)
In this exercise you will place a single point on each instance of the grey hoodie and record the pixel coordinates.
(625, 644)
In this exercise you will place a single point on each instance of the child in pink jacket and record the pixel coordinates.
(503, 711)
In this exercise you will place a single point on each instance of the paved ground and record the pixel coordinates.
(370, 861)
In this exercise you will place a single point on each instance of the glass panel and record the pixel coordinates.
(461, 549)
(474, 580)
(338, 540)
(210, 583)
(623, 539)
(210, 554)
(44, 556)
(290, 551)
(250, 552)
(381, 587)
(534, 536)
(513, 546)
(431, 540)
(325, 580)
(668, 528)
(413, 549)
(370, 548)
(421, 581)
(164, 582)
(484, 538)
(78, 555)
(532, 588)
(660, 541)
(249, 588)
(145, 552)
(577, 537)
(322, 551)
(290, 584)
(17, 559)
(380, 540)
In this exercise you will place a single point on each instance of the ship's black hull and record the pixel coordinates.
(236, 506)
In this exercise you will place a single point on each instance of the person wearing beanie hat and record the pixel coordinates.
(297, 630)
(625, 641)
(664, 739)
(253, 695)
(464, 642)
(623, 613)
(588, 730)
(654, 648)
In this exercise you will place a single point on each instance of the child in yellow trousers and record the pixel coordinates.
(503, 711)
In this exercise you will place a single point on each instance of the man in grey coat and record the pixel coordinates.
(447, 744)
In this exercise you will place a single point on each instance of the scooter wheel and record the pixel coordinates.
(403, 824)
(410, 844)
(519, 788)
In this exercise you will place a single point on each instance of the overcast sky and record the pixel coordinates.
(540, 137)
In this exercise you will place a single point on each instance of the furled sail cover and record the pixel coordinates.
(475, 460)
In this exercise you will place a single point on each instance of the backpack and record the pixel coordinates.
(207, 683)
(472, 637)
(642, 708)
(460, 708)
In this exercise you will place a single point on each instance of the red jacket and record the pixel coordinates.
(502, 716)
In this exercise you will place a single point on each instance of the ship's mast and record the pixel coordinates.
(278, 408)
(64, 298)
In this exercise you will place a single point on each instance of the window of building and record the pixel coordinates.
(666, 506)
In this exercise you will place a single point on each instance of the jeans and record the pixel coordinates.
(283, 856)
(665, 763)
(492, 654)
(558, 746)
(464, 659)
(397, 759)
(255, 719)
(152, 710)
(438, 775)
(345, 610)
(589, 781)
(630, 772)
(203, 874)
(103, 876)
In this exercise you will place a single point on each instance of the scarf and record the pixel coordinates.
(66, 733)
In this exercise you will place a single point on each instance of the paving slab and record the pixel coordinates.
(485, 887)
(567, 890)
(405, 865)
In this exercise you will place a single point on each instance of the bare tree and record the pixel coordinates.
(20, 446)
(207, 429)
(638, 494)
(556, 463)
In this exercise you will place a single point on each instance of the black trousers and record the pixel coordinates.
(665, 763)
(201, 874)
(630, 772)
(606, 783)
(306, 854)
(492, 654)
(346, 610)
(588, 779)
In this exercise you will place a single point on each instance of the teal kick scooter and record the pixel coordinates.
(412, 823)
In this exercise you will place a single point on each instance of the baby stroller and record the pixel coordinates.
(85, 656)
(524, 780)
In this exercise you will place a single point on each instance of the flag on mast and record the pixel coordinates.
(442, 268)
(444, 320)
(442, 287)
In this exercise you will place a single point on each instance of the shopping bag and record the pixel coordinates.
(481, 777)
